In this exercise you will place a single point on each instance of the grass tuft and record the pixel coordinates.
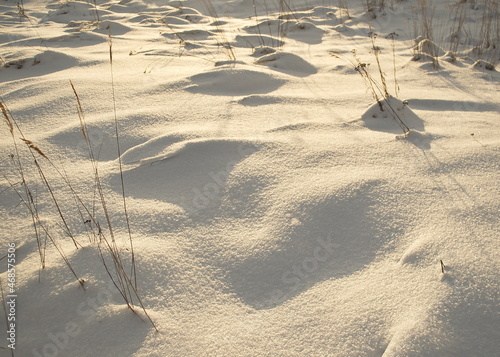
(378, 89)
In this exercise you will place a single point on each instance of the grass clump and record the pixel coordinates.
(378, 88)
(472, 31)
(33, 172)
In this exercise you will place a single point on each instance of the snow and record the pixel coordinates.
(275, 208)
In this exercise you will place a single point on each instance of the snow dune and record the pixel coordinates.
(275, 209)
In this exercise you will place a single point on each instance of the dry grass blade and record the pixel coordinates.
(16, 159)
(38, 223)
(261, 40)
(376, 52)
(7, 119)
(127, 283)
(378, 91)
(61, 215)
(80, 112)
(96, 12)
(110, 43)
(22, 13)
(46, 182)
(392, 37)
(28, 197)
(224, 40)
(122, 183)
(124, 280)
(34, 147)
(32, 208)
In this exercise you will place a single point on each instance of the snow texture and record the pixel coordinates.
(275, 207)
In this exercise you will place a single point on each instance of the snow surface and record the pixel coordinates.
(275, 209)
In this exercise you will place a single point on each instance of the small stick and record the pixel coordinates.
(473, 137)
(442, 266)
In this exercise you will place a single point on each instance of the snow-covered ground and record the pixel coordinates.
(274, 208)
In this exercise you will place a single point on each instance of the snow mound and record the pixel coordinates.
(262, 51)
(484, 65)
(183, 10)
(319, 15)
(190, 173)
(257, 100)
(426, 50)
(74, 11)
(267, 27)
(187, 13)
(302, 30)
(306, 32)
(196, 34)
(288, 63)
(316, 243)
(387, 115)
(102, 139)
(112, 27)
(174, 20)
(143, 19)
(43, 63)
(126, 7)
(154, 149)
(77, 39)
(252, 41)
(232, 81)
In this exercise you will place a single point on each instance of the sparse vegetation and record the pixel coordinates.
(373, 7)
(219, 229)
(425, 47)
(378, 89)
(392, 39)
(462, 37)
(110, 253)
(222, 39)
(28, 197)
(344, 10)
